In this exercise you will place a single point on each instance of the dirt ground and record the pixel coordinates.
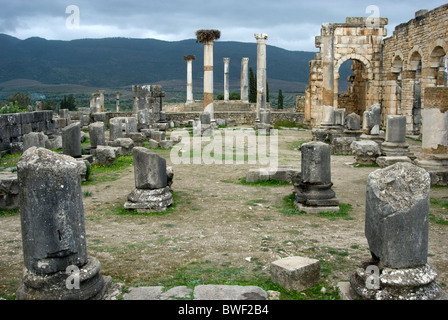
(224, 223)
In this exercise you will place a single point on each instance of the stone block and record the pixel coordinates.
(223, 292)
(9, 190)
(71, 140)
(153, 143)
(365, 151)
(105, 155)
(166, 144)
(397, 215)
(126, 145)
(96, 134)
(149, 169)
(296, 273)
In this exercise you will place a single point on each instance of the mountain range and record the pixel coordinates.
(116, 62)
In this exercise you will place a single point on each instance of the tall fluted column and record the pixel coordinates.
(226, 79)
(245, 80)
(207, 37)
(261, 72)
(189, 59)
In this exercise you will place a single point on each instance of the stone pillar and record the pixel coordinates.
(57, 266)
(245, 80)
(71, 140)
(207, 37)
(396, 228)
(96, 134)
(152, 191)
(102, 100)
(261, 72)
(313, 193)
(226, 79)
(117, 107)
(115, 128)
(189, 60)
(434, 154)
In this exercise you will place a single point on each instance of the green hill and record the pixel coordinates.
(116, 62)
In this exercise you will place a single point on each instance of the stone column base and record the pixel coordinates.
(148, 201)
(395, 284)
(315, 198)
(92, 285)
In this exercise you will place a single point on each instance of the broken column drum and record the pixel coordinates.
(53, 233)
(152, 191)
(313, 193)
(396, 228)
(71, 140)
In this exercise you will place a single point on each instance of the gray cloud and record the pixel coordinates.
(290, 24)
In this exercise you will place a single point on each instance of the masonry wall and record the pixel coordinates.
(424, 40)
(13, 126)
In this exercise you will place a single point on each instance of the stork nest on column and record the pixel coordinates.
(207, 35)
(189, 57)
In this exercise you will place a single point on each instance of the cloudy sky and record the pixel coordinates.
(290, 24)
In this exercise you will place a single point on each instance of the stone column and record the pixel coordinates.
(153, 179)
(245, 80)
(71, 140)
(226, 79)
(207, 37)
(189, 60)
(313, 189)
(57, 266)
(102, 100)
(261, 72)
(117, 107)
(396, 228)
(434, 154)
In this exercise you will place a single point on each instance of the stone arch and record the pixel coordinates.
(358, 57)
(359, 92)
(397, 63)
(437, 65)
(415, 57)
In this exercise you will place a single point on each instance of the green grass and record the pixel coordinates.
(8, 212)
(359, 165)
(195, 273)
(440, 218)
(264, 183)
(100, 174)
(288, 208)
(9, 160)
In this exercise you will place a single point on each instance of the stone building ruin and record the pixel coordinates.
(393, 71)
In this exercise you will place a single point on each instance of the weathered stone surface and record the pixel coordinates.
(149, 200)
(342, 145)
(365, 151)
(115, 128)
(54, 143)
(9, 190)
(126, 145)
(149, 169)
(105, 155)
(296, 273)
(223, 292)
(166, 144)
(397, 214)
(34, 139)
(384, 162)
(281, 173)
(52, 211)
(137, 137)
(71, 140)
(316, 168)
(96, 134)
(153, 143)
(396, 129)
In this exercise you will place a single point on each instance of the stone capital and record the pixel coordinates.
(261, 36)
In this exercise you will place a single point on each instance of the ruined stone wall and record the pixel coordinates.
(412, 62)
(13, 126)
(358, 40)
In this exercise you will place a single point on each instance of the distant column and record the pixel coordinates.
(226, 79)
(118, 101)
(207, 37)
(245, 80)
(102, 100)
(261, 72)
(189, 60)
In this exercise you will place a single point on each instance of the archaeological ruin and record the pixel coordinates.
(346, 192)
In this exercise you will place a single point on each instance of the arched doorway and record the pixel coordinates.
(438, 65)
(352, 94)
(397, 86)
